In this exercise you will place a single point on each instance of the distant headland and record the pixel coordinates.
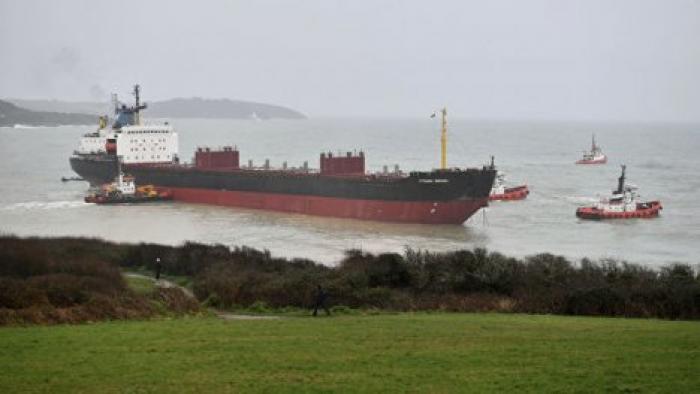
(57, 112)
(11, 115)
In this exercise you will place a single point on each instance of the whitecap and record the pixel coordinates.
(45, 205)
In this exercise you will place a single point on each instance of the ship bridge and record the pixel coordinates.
(146, 144)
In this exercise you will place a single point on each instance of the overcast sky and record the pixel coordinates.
(629, 60)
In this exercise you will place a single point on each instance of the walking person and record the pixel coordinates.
(158, 267)
(320, 301)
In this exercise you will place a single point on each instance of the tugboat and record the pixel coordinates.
(594, 156)
(124, 190)
(499, 191)
(623, 204)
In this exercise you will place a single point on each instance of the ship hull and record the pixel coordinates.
(437, 197)
(451, 212)
(96, 170)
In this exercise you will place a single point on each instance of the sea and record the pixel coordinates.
(663, 160)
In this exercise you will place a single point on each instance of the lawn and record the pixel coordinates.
(403, 352)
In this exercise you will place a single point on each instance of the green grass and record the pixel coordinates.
(402, 352)
(143, 286)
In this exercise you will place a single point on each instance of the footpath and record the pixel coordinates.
(164, 283)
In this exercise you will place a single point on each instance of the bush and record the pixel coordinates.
(40, 274)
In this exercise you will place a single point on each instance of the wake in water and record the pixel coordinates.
(23, 126)
(43, 205)
(581, 199)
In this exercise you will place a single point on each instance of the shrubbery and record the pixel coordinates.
(465, 280)
(45, 281)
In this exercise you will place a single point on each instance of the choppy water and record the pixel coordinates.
(662, 160)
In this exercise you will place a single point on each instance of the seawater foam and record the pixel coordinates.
(582, 199)
(36, 205)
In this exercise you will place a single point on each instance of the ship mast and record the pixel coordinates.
(138, 107)
(443, 140)
(137, 99)
(593, 147)
(621, 181)
(115, 103)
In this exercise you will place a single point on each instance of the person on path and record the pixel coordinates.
(158, 267)
(320, 302)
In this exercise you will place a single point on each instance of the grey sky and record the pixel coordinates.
(630, 60)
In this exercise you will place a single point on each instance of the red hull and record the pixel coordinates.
(453, 212)
(513, 193)
(644, 210)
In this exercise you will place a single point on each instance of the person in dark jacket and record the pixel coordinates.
(320, 302)
(158, 267)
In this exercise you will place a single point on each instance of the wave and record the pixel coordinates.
(655, 165)
(44, 205)
(581, 199)
(24, 126)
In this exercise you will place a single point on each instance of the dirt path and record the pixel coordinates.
(164, 283)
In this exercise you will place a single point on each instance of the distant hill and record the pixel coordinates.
(175, 108)
(11, 115)
(219, 108)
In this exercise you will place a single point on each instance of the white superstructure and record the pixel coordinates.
(499, 184)
(130, 140)
(147, 144)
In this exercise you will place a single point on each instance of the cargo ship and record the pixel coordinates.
(341, 187)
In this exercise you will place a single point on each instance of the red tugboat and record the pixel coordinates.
(622, 204)
(124, 190)
(594, 156)
(499, 191)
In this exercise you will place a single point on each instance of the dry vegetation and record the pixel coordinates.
(71, 280)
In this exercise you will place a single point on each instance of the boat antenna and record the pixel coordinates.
(621, 180)
(493, 165)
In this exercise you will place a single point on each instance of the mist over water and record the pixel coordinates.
(662, 160)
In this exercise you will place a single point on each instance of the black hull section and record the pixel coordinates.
(95, 169)
(436, 186)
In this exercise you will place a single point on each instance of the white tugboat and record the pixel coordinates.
(623, 204)
(594, 156)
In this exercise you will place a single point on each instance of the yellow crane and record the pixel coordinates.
(443, 140)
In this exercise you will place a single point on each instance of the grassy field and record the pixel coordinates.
(404, 352)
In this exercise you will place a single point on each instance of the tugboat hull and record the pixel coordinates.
(644, 210)
(602, 160)
(126, 200)
(512, 194)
